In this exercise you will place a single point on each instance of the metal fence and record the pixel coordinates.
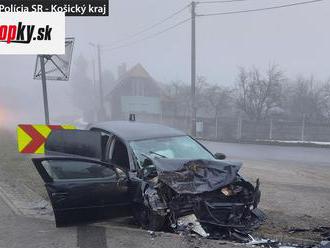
(239, 129)
(231, 129)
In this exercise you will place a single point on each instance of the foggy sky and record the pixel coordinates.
(297, 39)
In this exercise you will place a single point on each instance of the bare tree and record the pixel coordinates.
(219, 99)
(178, 95)
(201, 97)
(304, 99)
(258, 94)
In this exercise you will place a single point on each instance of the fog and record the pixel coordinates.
(297, 39)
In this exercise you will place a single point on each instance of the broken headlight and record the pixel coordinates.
(231, 190)
(227, 191)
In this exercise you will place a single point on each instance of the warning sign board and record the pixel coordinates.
(32, 138)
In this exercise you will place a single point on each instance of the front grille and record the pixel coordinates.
(222, 213)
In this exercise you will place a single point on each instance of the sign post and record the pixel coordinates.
(53, 67)
(44, 88)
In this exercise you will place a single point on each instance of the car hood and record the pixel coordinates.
(196, 176)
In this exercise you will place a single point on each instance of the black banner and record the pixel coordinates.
(70, 7)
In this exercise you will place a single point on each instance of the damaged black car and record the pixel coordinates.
(162, 177)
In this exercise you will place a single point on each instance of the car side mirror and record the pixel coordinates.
(121, 173)
(220, 156)
(147, 162)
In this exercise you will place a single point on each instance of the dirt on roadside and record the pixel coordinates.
(293, 196)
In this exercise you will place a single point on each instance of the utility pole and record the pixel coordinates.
(101, 110)
(193, 68)
(95, 102)
(44, 87)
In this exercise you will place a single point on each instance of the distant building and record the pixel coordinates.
(135, 91)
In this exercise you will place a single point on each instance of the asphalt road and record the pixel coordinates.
(18, 231)
(307, 155)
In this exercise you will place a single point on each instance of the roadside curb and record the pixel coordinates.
(25, 202)
(9, 203)
(193, 241)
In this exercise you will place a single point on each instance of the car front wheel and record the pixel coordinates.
(147, 218)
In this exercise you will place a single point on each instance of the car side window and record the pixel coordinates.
(111, 146)
(118, 154)
(106, 139)
(71, 170)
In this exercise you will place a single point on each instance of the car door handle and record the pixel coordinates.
(60, 194)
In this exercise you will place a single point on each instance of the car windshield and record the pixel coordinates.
(182, 147)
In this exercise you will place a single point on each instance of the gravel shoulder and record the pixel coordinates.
(294, 195)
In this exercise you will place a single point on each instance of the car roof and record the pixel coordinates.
(132, 130)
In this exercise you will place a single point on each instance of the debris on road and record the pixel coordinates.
(191, 223)
(202, 196)
(324, 231)
(325, 244)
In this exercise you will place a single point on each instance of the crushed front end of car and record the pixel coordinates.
(208, 197)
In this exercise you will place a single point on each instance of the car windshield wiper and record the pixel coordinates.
(160, 155)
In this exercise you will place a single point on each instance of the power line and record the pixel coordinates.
(261, 9)
(223, 1)
(149, 37)
(152, 26)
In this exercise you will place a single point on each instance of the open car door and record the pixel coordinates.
(75, 142)
(83, 189)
